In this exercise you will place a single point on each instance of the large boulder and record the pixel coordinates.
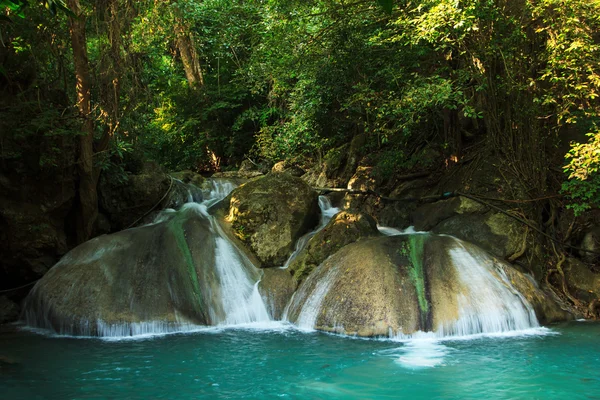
(161, 273)
(403, 284)
(344, 228)
(582, 281)
(271, 213)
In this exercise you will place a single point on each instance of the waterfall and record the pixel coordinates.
(174, 275)
(473, 296)
(310, 310)
(239, 296)
(327, 212)
(489, 304)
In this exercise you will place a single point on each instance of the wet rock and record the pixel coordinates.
(271, 213)
(546, 310)
(410, 283)
(343, 229)
(276, 288)
(160, 273)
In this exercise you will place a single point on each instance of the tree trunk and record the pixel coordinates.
(88, 197)
(188, 54)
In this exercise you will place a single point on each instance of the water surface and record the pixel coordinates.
(286, 363)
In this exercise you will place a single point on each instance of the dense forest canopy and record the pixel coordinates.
(203, 85)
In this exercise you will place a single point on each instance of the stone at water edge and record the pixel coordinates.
(158, 273)
(276, 288)
(187, 176)
(405, 284)
(9, 310)
(343, 229)
(270, 214)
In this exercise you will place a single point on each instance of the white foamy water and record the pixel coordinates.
(312, 307)
(489, 304)
(219, 189)
(239, 295)
(422, 354)
(388, 231)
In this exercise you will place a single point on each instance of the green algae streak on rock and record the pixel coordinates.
(271, 213)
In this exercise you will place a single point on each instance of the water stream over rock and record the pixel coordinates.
(408, 284)
(183, 271)
(327, 212)
(172, 275)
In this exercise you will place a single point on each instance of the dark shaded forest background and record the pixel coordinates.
(100, 88)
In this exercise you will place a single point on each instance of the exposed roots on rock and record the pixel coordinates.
(523, 249)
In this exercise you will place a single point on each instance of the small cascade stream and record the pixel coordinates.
(327, 212)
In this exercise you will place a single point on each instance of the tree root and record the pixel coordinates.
(564, 287)
(523, 247)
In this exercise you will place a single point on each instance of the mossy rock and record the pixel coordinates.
(162, 272)
(423, 282)
(271, 213)
(344, 228)
(582, 281)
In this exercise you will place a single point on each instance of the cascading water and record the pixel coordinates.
(241, 300)
(238, 278)
(154, 279)
(489, 305)
(310, 311)
(327, 212)
(484, 300)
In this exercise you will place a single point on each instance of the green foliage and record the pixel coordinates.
(17, 7)
(583, 184)
(585, 194)
(295, 79)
